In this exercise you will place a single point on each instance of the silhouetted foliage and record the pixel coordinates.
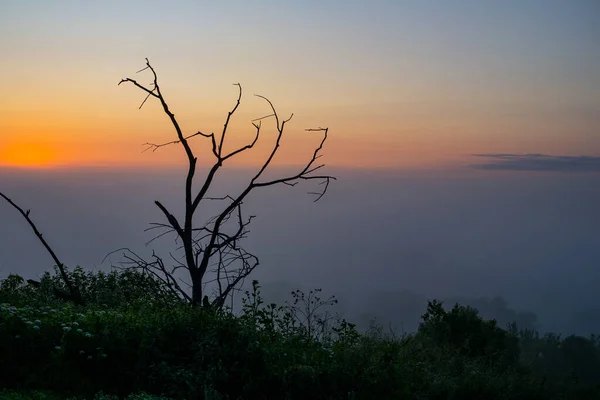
(462, 329)
(136, 345)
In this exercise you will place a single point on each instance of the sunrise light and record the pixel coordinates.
(25, 154)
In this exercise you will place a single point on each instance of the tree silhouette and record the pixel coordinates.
(213, 245)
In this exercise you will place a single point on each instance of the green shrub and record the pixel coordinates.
(463, 330)
(139, 343)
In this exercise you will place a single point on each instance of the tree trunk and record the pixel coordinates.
(196, 288)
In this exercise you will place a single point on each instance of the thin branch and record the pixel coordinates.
(155, 146)
(155, 268)
(75, 295)
(229, 114)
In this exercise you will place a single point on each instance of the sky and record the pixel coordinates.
(401, 84)
(465, 137)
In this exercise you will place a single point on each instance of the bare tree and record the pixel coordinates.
(213, 247)
(73, 294)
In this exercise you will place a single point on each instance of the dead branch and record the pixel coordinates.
(74, 294)
(155, 146)
(212, 241)
(155, 269)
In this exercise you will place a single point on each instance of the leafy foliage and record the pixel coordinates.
(130, 338)
(462, 329)
(114, 289)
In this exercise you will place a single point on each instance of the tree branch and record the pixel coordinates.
(74, 294)
(201, 245)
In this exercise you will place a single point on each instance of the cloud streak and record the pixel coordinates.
(538, 162)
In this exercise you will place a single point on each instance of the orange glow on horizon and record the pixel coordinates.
(28, 155)
(92, 141)
(337, 152)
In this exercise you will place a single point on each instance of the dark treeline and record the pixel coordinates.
(401, 310)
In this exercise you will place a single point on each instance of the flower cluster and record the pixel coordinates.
(34, 317)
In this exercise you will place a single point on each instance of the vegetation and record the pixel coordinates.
(132, 339)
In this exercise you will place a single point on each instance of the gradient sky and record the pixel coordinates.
(400, 83)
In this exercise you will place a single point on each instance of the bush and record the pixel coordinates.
(462, 329)
(139, 343)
